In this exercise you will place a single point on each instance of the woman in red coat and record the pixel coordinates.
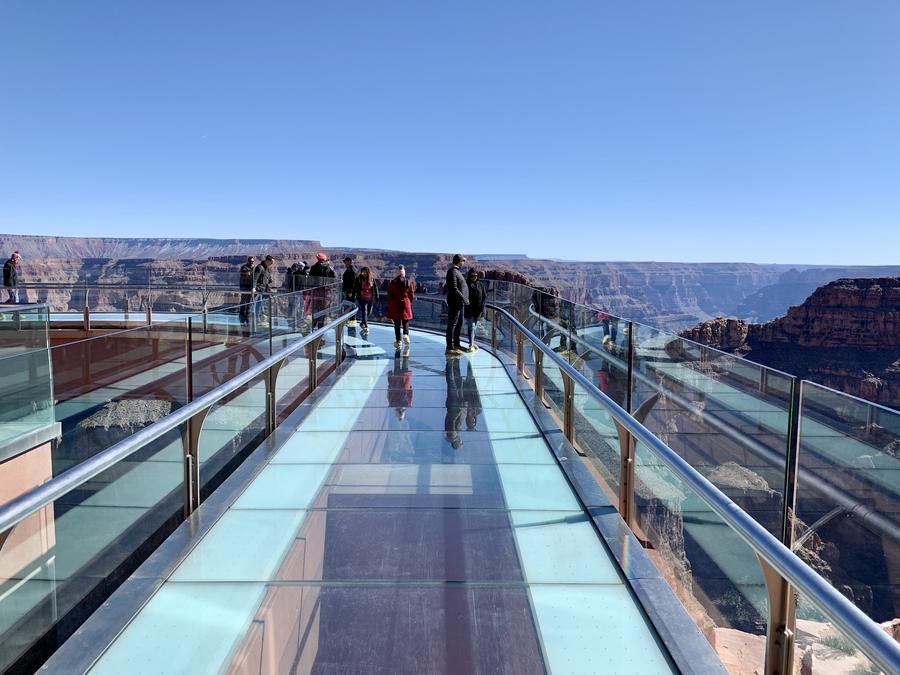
(400, 295)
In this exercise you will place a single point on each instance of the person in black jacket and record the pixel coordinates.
(457, 299)
(475, 308)
(11, 277)
(348, 281)
(246, 286)
(262, 284)
(320, 299)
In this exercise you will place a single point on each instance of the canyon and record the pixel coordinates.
(845, 335)
(669, 295)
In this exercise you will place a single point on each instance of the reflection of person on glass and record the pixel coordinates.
(400, 392)
(472, 399)
(456, 405)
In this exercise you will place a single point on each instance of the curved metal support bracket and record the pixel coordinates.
(821, 522)
(190, 439)
(626, 473)
(782, 621)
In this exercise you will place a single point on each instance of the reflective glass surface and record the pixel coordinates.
(399, 528)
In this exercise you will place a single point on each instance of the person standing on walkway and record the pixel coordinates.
(246, 286)
(11, 277)
(262, 284)
(475, 308)
(348, 283)
(365, 290)
(457, 299)
(319, 305)
(400, 295)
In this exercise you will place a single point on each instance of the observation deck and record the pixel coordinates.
(272, 491)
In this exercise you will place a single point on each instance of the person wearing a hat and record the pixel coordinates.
(11, 277)
(319, 304)
(348, 282)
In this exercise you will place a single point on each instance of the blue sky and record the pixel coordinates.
(689, 131)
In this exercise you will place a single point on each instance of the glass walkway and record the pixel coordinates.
(410, 518)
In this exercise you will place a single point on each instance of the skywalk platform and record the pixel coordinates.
(411, 517)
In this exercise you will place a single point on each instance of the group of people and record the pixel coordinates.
(257, 281)
(465, 302)
(465, 296)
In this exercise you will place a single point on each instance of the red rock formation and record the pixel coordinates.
(845, 336)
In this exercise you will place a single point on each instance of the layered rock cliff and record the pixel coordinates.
(846, 335)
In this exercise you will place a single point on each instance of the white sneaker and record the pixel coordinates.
(406, 339)
(396, 344)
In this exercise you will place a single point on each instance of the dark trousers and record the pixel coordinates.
(245, 307)
(454, 325)
(398, 324)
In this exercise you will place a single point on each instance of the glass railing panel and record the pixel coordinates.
(23, 329)
(848, 497)
(292, 385)
(714, 573)
(26, 400)
(58, 564)
(596, 437)
(233, 427)
(108, 387)
(226, 344)
(553, 389)
(701, 403)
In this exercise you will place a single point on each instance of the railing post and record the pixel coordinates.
(271, 397)
(149, 315)
(190, 438)
(204, 312)
(86, 318)
(189, 363)
(568, 407)
(338, 344)
(520, 351)
(494, 315)
(626, 474)
(629, 375)
(271, 320)
(538, 374)
(781, 626)
(791, 457)
(312, 349)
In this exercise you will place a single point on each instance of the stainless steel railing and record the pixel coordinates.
(785, 574)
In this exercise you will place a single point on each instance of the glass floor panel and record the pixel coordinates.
(390, 536)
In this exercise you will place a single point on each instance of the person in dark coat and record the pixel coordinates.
(475, 308)
(11, 277)
(457, 299)
(348, 281)
(400, 295)
(262, 284)
(365, 290)
(322, 271)
(246, 286)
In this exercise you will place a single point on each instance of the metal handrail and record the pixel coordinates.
(868, 636)
(24, 505)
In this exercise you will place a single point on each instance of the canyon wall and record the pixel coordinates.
(846, 335)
